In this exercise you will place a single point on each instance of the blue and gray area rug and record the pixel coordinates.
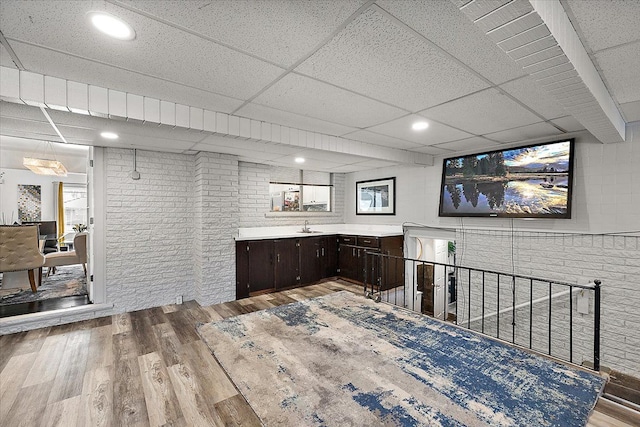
(69, 280)
(343, 360)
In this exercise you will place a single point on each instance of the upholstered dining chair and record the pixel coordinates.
(20, 250)
(77, 256)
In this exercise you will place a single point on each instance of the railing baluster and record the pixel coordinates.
(365, 275)
(445, 293)
(455, 288)
(415, 285)
(513, 309)
(571, 324)
(378, 272)
(550, 318)
(596, 327)
(530, 313)
(396, 283)
(498, 311)
(469, 302)
(405, 287)
(482, 328)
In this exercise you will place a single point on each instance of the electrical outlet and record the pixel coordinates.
(179, 299)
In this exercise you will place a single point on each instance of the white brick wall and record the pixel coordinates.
(613, 259)
(216, 223)
(149, 229)
(254, 202)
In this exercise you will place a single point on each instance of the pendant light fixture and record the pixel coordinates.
(44, 166)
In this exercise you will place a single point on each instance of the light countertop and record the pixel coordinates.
(262, 233)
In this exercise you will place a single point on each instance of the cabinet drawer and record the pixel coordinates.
(348, 240)
(368, 242)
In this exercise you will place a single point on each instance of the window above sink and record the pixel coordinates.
(302, 196)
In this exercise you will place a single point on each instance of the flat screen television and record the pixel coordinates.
(532, 181)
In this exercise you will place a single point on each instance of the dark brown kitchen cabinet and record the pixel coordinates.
(261, 265)
(330, 261)
(274, 264)
(392, 269)
(287, 263)
(348, 257)
(311, 259)
(318, 258)
(254, 267)
(356, 264)
(242, 270)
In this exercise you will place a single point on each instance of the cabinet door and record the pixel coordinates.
(287, 263)
(329, 254)
(242, 270)
(348, 262)
(261, 265)
(369, 266)
(311, 259)
(392, 274)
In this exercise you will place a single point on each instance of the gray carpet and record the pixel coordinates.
(67, 281)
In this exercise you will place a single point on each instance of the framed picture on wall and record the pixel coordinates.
(376, 197)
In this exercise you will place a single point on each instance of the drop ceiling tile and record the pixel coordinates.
(568, 123)
(527, 91)
(354, 167)
(294, 93)
(433, 150)
(436, 132)
(469, 144)
(536, 130)
(382, 140)
(631, 111)
(5, 58)
(620, 69)
(444, 24)
(158, 50)
(56, 64)
(293, 120)
(607, 23)
(279, 31)
(374, 164)
(378, 58)
(481, 113)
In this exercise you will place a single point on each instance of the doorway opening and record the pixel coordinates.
(59, 204)
(432, 287)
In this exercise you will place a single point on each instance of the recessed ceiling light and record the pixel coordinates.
(109, 135)
(112, 26)
(299, 159)
(420, 125)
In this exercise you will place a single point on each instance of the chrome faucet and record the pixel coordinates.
(305, 229)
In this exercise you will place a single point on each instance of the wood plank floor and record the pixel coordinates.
(145, 368)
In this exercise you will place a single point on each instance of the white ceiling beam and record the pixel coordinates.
(103, 102)
(538, 35)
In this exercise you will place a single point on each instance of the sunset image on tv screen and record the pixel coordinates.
(532, 181)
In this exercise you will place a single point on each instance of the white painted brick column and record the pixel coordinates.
(215, 225)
